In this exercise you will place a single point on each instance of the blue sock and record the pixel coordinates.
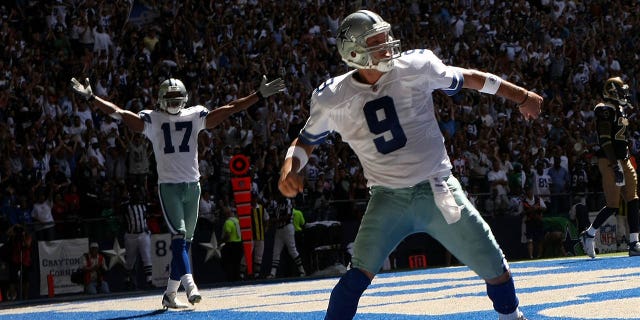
(185, 257)
(503, 296)
(180, 259)
(346, 294)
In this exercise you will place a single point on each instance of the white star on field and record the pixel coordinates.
(116, 255)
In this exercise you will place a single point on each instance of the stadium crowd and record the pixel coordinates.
(64, 164)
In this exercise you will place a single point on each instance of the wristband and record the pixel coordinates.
(93, 97)
(260, 96)
(491, 84)
(300, 153)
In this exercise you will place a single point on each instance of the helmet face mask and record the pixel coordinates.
(615, 89)
(352, 38)
(172, 96)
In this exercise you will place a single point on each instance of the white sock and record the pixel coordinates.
(592, 231)
(172, 286)
(633, 237)
(188, 283)
(511, 316)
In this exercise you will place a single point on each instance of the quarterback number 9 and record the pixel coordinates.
(382, 117)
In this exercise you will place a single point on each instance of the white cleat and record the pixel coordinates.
(194, 296)
(634, 249)
(170, 301)
(588, 244)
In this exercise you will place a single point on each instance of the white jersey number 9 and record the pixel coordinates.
(389, 122)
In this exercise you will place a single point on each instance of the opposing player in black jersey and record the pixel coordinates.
(618, 175)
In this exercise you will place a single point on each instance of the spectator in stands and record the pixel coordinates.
(517, 180)
(59, 212)
(56, 181)
(138, 154)
(559, 188)
(460, 166)
(43, 217)
(497, 178)
(541, 181)
(447, 121)
(579, 178)
(311, 172)
(29, 177)
(533, 210)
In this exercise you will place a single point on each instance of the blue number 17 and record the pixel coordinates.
(185, 126)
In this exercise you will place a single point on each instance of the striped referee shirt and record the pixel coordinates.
(258, 218)
(281, 212)
(134, 214)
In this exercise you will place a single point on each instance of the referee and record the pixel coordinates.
(137, 238)
(259, 218)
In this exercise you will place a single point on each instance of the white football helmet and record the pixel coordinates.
(174, 102)
(352, 37)
(615, 89)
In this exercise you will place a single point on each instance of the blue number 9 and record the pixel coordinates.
(389, 123)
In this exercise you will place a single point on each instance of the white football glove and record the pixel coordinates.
(271, 88)
(85, 90)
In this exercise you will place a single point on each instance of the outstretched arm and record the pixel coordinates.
(131, 119)
(216, 116)
(529, 103)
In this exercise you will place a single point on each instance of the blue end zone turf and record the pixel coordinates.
(607, 287)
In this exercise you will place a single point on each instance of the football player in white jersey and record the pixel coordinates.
(384, 110)
(173, 131)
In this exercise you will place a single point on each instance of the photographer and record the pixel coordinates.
(94, 270)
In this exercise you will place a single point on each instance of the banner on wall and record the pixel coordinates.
(60, 258)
